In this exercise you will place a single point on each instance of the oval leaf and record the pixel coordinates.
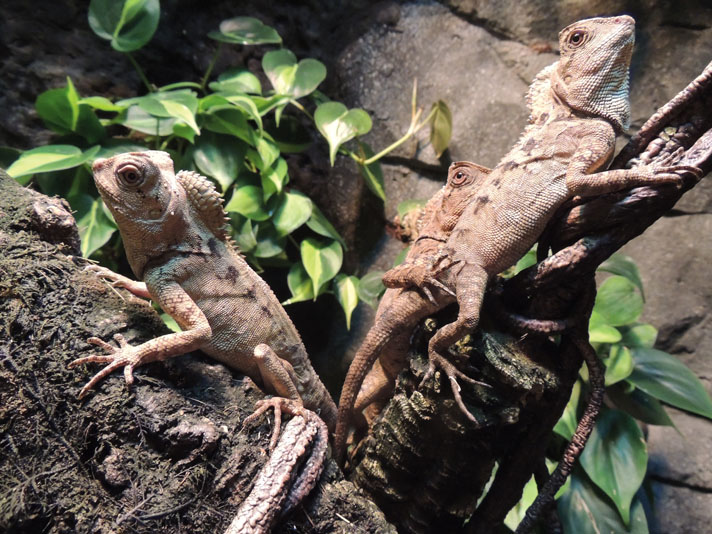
(666, 378)
(50, 158)
(292, 211)
(299, 284)
(346, 290)
(237, 80)
(339, 124)
(623, 265)
(370, 288)
(584, 509)
(616, 458)
(320, 224)
(639, 404)
(321, 260)
(245, 31)
(219, 156)
(269, 244)
(441, 127)
(128, 24)
(619, 364)
(247, 201)
(291, 78)
(95, 228)
(639, 335)
(618, 302)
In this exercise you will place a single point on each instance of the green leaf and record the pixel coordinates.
(269, 244)
(525, 261)
(268, 152)
(372, 174)
(299, 284)
(639, 404)
(346, 290)
(370, 288)
(567, 423)
(320, 224)
(619, 364)
(441, 127)
(273, 178)
(639, 335)
(247, 104)
(584, 509)
(95, 228)
(50, 158)
(170, 322)
(236, 81)
(230, 121)
(59, 108)
(246, 236)
(410, 205)
(128, 24)
(292, 211)
(339, 124)
(183, 114)
(623, 265)
(289, 77)
(140, 120)
(219, 156)
(666, 378)
(600, 332)
(616, 458)
(517, 513)
(248, 201)
(245, 31)
(618, 302)
(321, 260)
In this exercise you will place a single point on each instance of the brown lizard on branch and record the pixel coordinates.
(383, 352)
(174, 232)
(578, 105)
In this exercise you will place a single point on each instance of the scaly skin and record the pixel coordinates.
(400, 310)
(577, 105)
(173, 231)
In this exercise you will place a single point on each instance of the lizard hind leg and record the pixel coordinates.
(278, 376)
(471, 285)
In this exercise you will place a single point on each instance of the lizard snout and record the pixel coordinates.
(98, 164)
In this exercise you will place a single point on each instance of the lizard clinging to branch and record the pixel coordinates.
(578, 105)
(388, 338)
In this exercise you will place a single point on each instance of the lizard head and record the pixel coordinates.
(591, 75)
(142, 193)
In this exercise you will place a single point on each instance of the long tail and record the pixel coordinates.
(403, 312)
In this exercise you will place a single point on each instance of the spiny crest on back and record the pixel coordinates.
(206, 201)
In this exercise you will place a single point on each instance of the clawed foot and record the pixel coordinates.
(118, 280)
(668, 169)
(280, 404)
(453, 373)
(419, 276)
(126, 356)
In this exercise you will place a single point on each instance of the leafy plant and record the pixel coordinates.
(230, 129)
(605, 490)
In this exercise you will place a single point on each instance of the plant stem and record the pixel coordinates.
(140, 72)
(414, 127)
(301, 108)
(214, 60)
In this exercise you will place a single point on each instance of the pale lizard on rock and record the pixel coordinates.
(174, 232)
(578, 105)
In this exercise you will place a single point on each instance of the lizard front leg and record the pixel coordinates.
(471, 285)
(580, 181)
(175, 301)
(119, 280)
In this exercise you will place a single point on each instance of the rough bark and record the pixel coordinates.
(167, 455)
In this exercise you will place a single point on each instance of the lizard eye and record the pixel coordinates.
(459, 178)
(129, 175)
(577, 38)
